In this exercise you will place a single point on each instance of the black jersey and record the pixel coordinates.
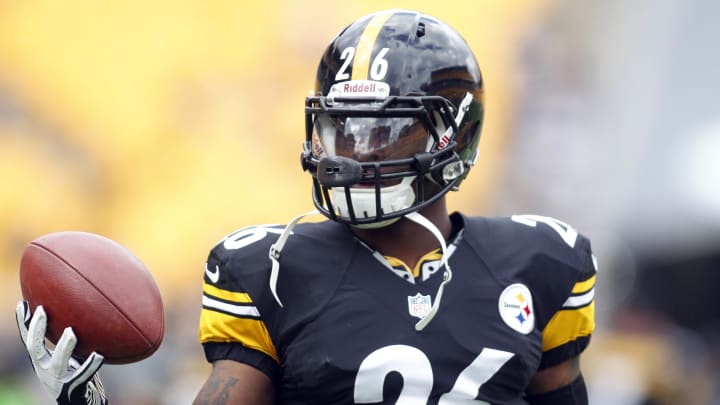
(520, 300)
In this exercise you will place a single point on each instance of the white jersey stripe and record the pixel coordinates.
(580, 300)
(241, 310)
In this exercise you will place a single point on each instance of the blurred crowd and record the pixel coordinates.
(167, 124)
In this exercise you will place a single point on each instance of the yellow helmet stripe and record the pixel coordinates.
(361, 64)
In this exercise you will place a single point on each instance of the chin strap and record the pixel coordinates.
(277, 247)
(447, 275)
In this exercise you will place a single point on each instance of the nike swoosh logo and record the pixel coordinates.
(214, 276)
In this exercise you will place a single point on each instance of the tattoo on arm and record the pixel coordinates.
(217, 390)
(222, 391)
(233, 383)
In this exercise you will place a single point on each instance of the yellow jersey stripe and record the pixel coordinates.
(584, 286)
(568, 325)
(226, 295)
(251, 333)
(363, 51)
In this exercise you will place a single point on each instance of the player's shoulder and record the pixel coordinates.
(240, 261)
(542, 252)
(546, 255)
(246, 243)
(239, 269)
(534, 236)
(249, 245)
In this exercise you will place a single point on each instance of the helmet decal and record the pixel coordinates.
(365, 45)
(359, 88)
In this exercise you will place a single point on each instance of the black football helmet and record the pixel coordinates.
(395, 119)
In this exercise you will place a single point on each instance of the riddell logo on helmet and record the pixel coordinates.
(360, 88)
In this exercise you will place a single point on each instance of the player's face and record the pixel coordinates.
(370, 139)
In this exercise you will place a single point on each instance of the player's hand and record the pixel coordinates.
(68, 381)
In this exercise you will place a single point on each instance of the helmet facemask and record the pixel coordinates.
(373, 160)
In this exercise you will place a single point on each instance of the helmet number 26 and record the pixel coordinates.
(378, 68)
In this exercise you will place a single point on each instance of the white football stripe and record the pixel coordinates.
(233, 309)
(580, 300)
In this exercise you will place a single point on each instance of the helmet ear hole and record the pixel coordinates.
(452, 171)
(443, 175)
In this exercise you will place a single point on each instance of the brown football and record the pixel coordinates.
(100, 289)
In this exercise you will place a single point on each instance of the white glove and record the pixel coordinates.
(68, 381)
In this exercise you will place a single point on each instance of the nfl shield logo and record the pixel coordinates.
(419, 305)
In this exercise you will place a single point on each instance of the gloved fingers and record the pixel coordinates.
(90, 366)
(22, 316)
(35, 342)
(63, 352)
(86, 371)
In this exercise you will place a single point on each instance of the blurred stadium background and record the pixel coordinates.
(167, 124)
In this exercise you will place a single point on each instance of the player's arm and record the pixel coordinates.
(231, 382)
(562, 384)
(567, 334)
(234, 336)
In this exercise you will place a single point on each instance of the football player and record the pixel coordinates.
(394, 300)
(391, 300)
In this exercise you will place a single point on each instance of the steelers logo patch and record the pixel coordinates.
(516, 308)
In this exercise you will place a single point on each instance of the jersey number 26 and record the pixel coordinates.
(414, 367)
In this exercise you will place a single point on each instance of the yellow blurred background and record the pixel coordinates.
(167, 124)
